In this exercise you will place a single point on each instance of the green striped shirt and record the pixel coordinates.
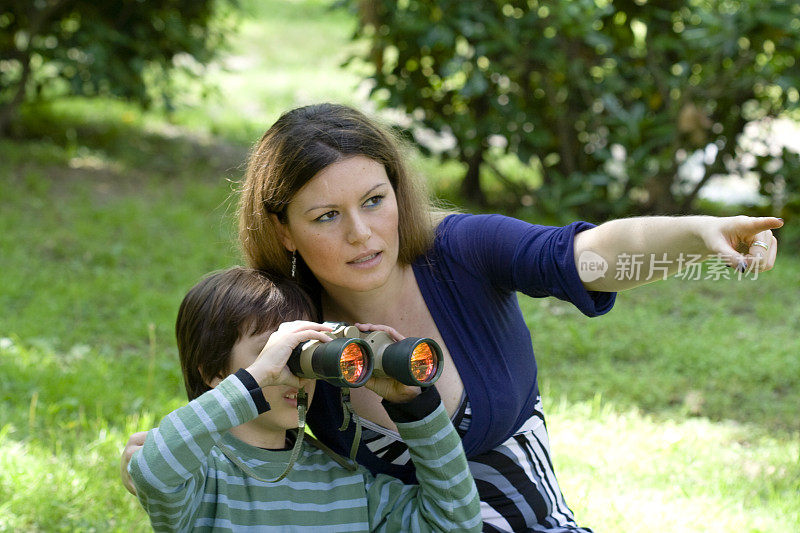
(185, 482)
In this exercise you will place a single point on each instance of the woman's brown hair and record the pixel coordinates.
(225, 306)
(300, 144)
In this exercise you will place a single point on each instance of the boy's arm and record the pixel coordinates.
(169, 470)
(446, 498)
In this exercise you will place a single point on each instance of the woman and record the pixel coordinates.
(327, 191)
(329, 201)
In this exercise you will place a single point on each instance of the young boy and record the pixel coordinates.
(208, 463)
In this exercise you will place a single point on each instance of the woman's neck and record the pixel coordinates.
(384, 305)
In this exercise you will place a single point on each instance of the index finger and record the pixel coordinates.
(754, 225)
(380, 327)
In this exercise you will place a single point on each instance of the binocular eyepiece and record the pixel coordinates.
(353, 356)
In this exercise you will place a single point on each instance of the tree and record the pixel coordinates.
(607, 99)
(123, 48)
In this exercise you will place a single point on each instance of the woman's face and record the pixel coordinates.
(344, 224)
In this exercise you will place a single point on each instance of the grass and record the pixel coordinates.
(677, 410)
(621, 468)
(284, 54)
(725, 349)
(95, 259)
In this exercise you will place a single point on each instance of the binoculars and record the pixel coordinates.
(353, 356)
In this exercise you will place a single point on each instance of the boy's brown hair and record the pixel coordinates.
(225, 306)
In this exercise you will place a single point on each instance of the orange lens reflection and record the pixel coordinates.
(353, 363)
(423, 362)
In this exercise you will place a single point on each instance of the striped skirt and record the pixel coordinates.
(516, 482)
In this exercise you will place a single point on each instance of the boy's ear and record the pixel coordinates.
(282, 230)
(212, 382)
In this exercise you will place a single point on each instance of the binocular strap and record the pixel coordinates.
(350, 465)
(302, 407)
(347, 414)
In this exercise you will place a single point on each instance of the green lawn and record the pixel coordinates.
(678, 411)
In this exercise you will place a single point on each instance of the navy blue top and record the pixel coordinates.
(469, 281)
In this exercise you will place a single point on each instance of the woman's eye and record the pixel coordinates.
(325, 217)
(374, 201)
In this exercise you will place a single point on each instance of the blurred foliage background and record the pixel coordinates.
(126, 49)
(124, 126)
(607, 108)
(604, 101)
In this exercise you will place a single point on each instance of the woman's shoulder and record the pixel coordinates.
(465, 239)
(469, 222)
(495, 242)
(495, 225)
(460, 228)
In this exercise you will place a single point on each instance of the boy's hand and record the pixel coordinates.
(389, 388)
(270, 368)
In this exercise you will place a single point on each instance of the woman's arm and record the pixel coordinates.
(135, 442)
(622, 254)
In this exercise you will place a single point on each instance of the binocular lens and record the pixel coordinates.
(414, 361)
(423, 362)
(341, 362)
(351, 356)
(353, 363)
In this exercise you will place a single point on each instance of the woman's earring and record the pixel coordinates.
(294, 263)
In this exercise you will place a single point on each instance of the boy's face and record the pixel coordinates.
(282, 399)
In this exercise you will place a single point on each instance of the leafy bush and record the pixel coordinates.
(607, 100)
(115, 47)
